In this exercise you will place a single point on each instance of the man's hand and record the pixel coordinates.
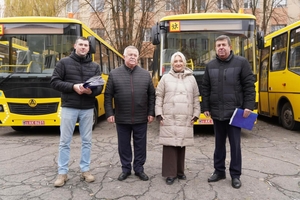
(81, 90)
(150, 119)
(111, 119)
(247, 112)
(207, 113)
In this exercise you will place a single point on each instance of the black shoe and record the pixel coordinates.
(216, 177)
(123, 176)
(236, 183)
(182, 177)
(142, 176)
(170, 180)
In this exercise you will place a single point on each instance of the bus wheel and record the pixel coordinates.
(95, 117)
(21, 128)
(287, 117)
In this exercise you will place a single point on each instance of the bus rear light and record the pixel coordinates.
(163, 69)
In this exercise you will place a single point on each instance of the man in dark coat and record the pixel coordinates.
(130, 89)
(77, 104)
(228, 83)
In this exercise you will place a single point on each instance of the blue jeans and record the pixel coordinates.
(69, 118)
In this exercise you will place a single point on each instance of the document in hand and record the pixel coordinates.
(94, 82)
(238, 120)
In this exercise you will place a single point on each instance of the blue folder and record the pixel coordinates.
(238, 120)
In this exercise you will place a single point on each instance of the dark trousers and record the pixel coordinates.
(223, 130)
(138, 132)
(173, 161)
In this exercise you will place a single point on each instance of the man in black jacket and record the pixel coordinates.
(228, 83)
(77, 104)
(131, 90)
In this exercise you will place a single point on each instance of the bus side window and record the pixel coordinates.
(282, 60)
(279, 47)
(105, 60)
(278, 61)
(275, 61)
(294, 57)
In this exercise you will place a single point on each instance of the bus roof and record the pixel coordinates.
(26, 19)
(282, 30)
(200, 16)
(38, 19)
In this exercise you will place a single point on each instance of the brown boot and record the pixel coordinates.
(61, 180)
(87, 176)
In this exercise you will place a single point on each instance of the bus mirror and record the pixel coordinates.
(260, 40)
(155, 34)
(92, 42)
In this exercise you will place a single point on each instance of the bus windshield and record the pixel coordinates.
(196, 40)
(194, 35)
(35, 48)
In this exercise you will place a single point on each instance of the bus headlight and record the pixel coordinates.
(1, 108)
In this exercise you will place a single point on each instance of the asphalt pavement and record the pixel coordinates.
(28, 167)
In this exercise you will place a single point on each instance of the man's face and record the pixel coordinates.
(131, 57)
(223, 49)
(82, 47)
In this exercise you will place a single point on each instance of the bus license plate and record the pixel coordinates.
(33, 122)
(205, 121)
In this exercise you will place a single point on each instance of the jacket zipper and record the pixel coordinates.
(132, 96)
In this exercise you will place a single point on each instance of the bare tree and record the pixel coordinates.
(126, 22)
(273, 11)
(269, 11)
(204, 6)
(32, 8)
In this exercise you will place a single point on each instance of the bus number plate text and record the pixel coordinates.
(205, 121)
(33, 122)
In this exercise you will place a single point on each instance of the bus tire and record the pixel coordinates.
(287, 117)
(21, 128)
(95, 117)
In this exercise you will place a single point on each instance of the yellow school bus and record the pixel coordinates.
(194, 35)
(29, 50)
(279, 76)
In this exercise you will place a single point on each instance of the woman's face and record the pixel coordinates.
(178, 64)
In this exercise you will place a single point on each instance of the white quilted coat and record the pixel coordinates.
(177, 101)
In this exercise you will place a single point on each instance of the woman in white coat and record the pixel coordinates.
(177, 106)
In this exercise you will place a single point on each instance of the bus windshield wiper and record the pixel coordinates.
(8, 76)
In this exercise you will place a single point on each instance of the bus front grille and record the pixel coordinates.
(39, 109)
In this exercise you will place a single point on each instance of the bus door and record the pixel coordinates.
(264, 108)
(277, 73)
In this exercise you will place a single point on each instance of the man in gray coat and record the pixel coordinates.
(130, 89)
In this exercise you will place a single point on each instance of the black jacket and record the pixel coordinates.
(73, 70)
(227, 85)
(133, 95)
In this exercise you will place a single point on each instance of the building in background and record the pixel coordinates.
(284, 12)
